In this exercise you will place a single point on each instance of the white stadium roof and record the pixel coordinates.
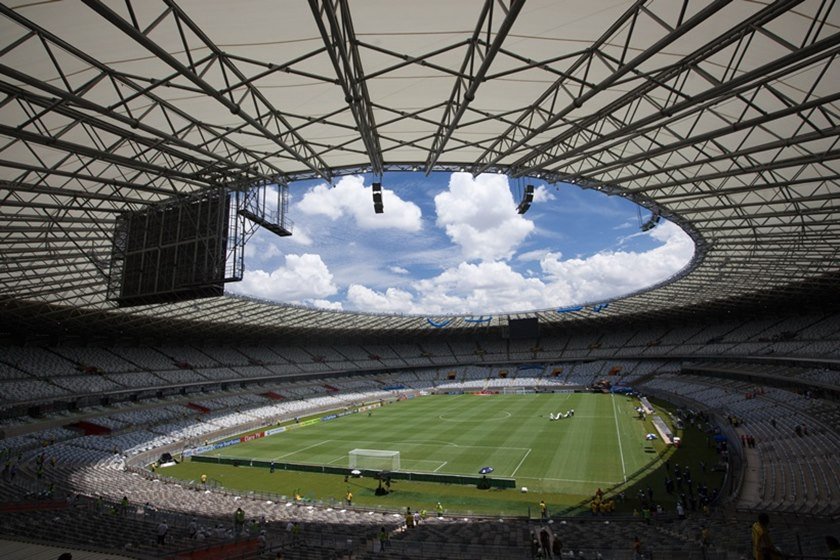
(721, 115)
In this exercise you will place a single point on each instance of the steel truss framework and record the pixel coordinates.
(722, 115)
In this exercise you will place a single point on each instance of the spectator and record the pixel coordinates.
(192, 528)
(296, 536)
(162, 529)
(704, 537)
(383, 539)
(762, 544)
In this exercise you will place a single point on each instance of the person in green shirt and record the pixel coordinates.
(383, 539)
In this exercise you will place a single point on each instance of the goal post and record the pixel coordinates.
(374, 459)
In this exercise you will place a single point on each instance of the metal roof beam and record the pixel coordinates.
(100, 155)
(285, 137)
(557, 148)
(343, 48)
(806, 159)
(737, 126)
(732, 156)
(543, 110)
(469, 78)
(164, 142)
(209, 134)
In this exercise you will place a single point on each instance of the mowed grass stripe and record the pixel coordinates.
(459, 434)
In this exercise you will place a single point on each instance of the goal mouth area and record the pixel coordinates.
(374, 459)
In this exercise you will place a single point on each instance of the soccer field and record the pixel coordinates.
(459, 434)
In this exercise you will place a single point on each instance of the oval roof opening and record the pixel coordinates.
(455, 244)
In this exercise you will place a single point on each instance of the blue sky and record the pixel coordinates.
(451, 243)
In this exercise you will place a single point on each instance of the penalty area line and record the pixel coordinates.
(305, 448)
(513, 474)
(441, 466)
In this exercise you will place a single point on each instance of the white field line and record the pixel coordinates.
(569, 480)
(513, 474)
(441, 466)
(618, 436)
(436, 443)
(305, 448)
(337, 459)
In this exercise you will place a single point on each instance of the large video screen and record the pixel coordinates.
(524, 328)
(170, 253)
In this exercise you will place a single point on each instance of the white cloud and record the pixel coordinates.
(542, 194)
(302, 279)
(350, 197)
(484, 287)
(479, 215)
(262, 246)
(391, 301)
(301, 237)
(614, 273)
(479, 272)
(495, 287)
(327, 304)
(535, 255)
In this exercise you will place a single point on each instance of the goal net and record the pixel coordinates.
(375, 459)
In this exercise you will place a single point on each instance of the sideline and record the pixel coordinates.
(618, 436)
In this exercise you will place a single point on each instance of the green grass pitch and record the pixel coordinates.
(459, 434)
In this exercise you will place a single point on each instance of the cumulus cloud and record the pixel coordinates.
(542, 194)
(301, 236)
(262, 246)
(392, 300)
(303, 279)
(612, 273)
(349, 197)
(481, 287)
(535, 255)
(485, 268)
(479, 215)
(327, 304)
(494, 287)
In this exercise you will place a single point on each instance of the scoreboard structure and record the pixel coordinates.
(171, 252)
